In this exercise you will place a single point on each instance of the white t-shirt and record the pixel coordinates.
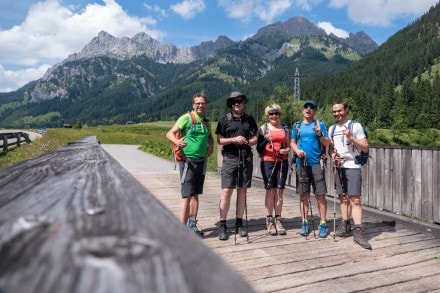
(343, 146)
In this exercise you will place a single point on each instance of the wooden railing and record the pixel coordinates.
(8, 139)
(75, 220)
(399, 180)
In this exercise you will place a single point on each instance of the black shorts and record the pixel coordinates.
(275, 178)
(192, 176)
(236, 171)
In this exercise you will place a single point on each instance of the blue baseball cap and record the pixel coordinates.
(312, 103)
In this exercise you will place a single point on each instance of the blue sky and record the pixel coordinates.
(35, 35)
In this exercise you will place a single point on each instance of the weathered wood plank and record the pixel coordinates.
(426, 185)
(293, 264)
(436, 187)
(76, 221)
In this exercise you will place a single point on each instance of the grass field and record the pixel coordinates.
(150, 137)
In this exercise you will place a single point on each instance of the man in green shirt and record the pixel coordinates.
(196, 143)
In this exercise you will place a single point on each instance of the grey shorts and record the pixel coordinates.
(236, 171)
(349, 181)
(192, 176)
(310, 176)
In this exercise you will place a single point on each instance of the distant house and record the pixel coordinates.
(66, 125)
(129, 122)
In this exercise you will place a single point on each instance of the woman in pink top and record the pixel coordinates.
(273, 146)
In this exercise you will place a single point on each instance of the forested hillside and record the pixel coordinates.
(396, 86)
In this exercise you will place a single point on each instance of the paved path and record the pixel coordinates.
(402, 259)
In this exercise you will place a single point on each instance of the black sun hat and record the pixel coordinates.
(236, 95)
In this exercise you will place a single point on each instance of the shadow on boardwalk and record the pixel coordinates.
(402, 259)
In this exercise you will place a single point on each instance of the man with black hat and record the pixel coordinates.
(308, 138)
(236, 132)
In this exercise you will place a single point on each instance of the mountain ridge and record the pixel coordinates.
(124, 76)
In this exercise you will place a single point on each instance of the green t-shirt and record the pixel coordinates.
(196, 135)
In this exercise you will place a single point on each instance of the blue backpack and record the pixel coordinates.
(363, 157)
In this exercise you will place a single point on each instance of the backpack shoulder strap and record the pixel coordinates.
(298, 126)
(193, 117)
(332, 132)
(350, 125)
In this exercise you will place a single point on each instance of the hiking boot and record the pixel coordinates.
(344, 229)
(359, 238)
(323, 230)
(304, 229)
(240, 230)
(279, 226)
(271, 229)
(222, 232)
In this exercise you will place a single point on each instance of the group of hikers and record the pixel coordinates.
(310, 142)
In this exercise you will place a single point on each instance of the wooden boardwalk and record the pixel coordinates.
(402, 259)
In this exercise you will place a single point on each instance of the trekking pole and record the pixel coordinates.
(303, 180)
(311, 215)
(271, 174)
(245, 205)
(310, 203)
(236, 201)
(334, 204)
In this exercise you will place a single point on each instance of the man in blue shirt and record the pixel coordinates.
(307, 139)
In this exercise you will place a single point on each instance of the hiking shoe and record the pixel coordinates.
(222, 232)
(271, 229)
(358, 238)
(344, 229)
(197, 229)
(279, 226)
(323, 230)
(240, 230)
(304, 229)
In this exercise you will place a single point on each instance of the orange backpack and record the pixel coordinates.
(177, 152)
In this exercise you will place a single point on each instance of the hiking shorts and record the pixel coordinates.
(192, 176)
(275, 178)
(310, 176)
(349, 181)
(236, 171)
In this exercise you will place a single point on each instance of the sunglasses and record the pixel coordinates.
(311, 107)
(237, 101)
(274, 114)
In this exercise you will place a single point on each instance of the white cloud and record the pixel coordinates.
(268, 10)
(156, 9)
(188, 9)
(51, 32)
(241, 9)
(11, 80)
(382, 12)
(329, 28)
(307, 5)
(265, 10)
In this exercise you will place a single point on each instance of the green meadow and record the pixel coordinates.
(149, 136)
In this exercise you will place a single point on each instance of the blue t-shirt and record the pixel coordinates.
(309, 142)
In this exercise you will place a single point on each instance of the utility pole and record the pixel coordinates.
(296, 85)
